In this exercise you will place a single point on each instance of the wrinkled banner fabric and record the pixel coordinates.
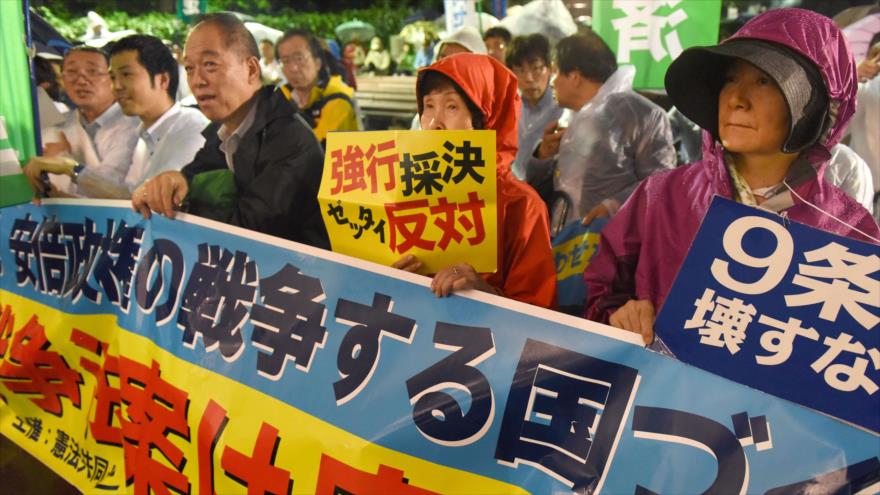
(195, 357)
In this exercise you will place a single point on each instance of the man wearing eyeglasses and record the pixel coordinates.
(529, 59)
(261, 164)
(96, 141)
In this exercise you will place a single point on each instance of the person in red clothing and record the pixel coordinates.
(471, 91)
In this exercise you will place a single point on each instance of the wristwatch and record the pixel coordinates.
(77, 169)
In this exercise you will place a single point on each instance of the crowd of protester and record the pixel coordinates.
(574, 141)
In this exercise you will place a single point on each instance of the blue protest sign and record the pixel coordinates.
(782, 307)
(573, 248)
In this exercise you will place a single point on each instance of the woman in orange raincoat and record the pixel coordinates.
(471, 91)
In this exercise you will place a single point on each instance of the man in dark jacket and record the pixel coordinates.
(261, 164)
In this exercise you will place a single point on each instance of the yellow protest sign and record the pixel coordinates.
(386, 194)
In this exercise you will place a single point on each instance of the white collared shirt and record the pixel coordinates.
(169, 144)
(530, 129)
(229, 141)
(105, 147)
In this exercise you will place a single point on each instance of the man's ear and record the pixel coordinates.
(254, 73)
(162, 80)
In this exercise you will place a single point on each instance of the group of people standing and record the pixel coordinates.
(581, 147)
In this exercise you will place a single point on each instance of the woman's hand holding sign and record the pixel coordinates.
(460, 276)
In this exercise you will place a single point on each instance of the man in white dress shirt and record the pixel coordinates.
(145, 80)
(94, 146)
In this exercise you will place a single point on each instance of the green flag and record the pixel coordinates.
(650, 34)
(16, 116)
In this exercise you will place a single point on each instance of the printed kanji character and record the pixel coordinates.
(337, 213)
(422, 169)
(564, 413)
(289, 324)
(410, 226)
(474, 206)
(89, 464)
(84, 244)
(385, 160)
(25, 233)
(444, 219)
(641, 29)
(101, 467)
(347, 170)
(32, 369)
(844, 269)
(728, 323)
(258, 471)
(470, 158)
(73, 456)
(781, 341)
(359, 351)
(353, 169)
(155, 409)
(216, 302)
(60, 446)
(114, 268)
(470, 346)
(844, 377)
(35, 428)
(52, 256)
(152, 281)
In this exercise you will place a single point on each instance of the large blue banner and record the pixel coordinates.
(782, 307)
(471, 383)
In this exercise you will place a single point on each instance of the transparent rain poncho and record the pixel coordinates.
(613, 142)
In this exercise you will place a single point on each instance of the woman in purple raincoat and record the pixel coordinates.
(773, 100)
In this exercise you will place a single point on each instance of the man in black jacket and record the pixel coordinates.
(260, 167)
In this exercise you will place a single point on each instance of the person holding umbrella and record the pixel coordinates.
(350, 35)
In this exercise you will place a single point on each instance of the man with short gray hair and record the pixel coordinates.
(260, 167)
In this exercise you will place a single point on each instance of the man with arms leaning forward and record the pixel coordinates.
(261, 164)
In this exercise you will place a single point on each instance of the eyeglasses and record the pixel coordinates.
(534, 70)
(298, 59)
(73, 75)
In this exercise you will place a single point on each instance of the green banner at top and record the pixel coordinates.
(650, 34)
(17, 143)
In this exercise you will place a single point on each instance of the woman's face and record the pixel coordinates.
(753, 117)
(444, 109)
